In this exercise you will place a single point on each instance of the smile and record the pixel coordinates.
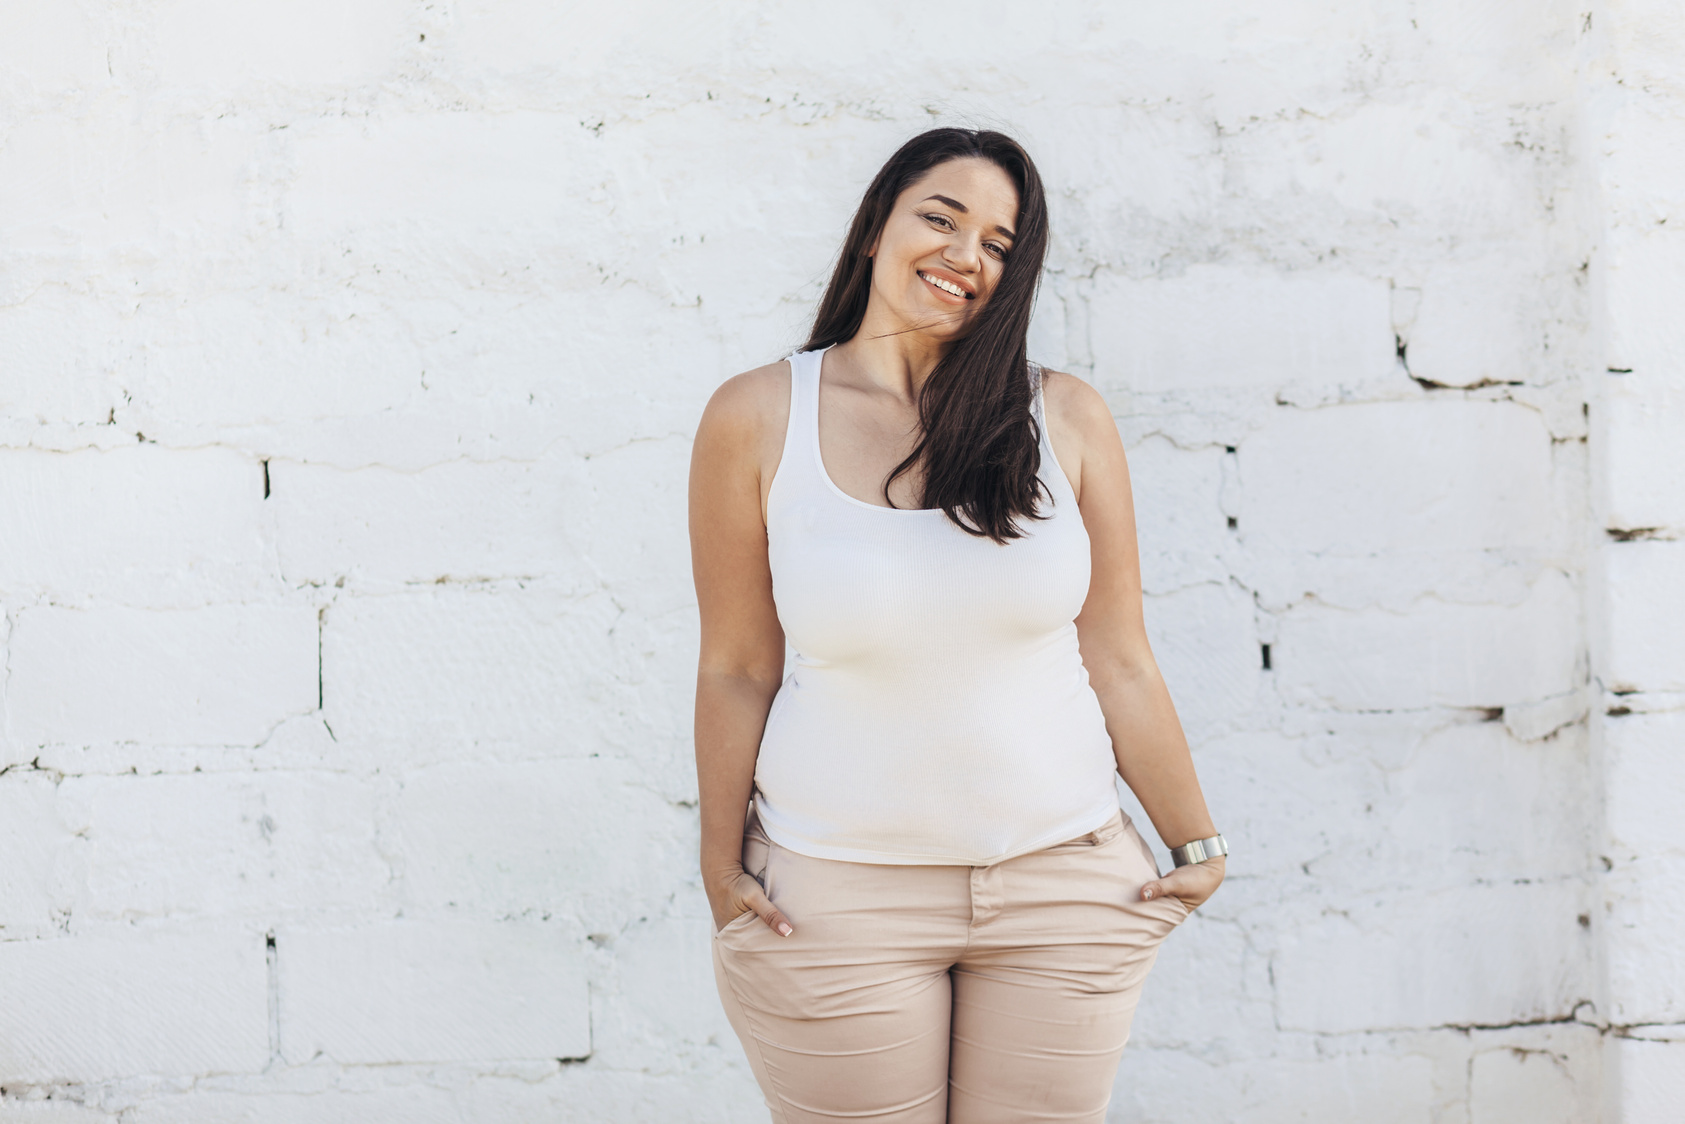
(947, 286)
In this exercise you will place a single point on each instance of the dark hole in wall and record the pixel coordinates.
(1233, 523)
(1265, 649)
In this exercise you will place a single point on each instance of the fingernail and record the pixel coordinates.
(1148, 894)
(783, 929)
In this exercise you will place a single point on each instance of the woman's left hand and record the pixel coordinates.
(1192, 883)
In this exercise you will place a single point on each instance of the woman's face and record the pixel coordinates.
(943, 248)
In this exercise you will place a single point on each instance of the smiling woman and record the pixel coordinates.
(928, 905)
(945, 255)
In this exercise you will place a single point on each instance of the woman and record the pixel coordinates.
(928, 905)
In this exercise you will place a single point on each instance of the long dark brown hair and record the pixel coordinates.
(980, 447)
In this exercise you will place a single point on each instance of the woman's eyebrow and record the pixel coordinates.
(964, 210)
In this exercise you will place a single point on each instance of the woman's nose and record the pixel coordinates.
(964, 254)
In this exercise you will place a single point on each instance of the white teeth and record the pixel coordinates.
(945, 286)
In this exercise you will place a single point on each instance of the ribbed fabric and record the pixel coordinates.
(938, 710)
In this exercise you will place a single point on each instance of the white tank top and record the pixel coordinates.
(938, 710)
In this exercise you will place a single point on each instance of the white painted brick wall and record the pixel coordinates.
(135, 525)
(1638, 116)
(1467, 956)
(590, 837)
(1509, 1086)
(218, 674)
(1432, 653)
(220, 844)
(1478, 479)
(393, 993)
(151, 1001)
(1651, 1074)
(1646, 616)
(32, 838)
(1221, 326)
(349, 358)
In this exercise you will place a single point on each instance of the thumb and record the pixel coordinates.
(1166, 887)
(1190, 884)
(757, 900)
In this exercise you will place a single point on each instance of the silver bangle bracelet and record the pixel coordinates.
(1200, 850)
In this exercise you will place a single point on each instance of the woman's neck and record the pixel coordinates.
(891, 357)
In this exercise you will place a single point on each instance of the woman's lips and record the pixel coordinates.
(943, 285)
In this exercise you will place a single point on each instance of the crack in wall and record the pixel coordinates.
(272, 991)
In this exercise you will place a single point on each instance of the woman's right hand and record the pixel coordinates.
(734, 893)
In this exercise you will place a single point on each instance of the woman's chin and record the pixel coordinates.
(943, 322)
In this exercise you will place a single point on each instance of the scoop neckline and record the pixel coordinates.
(819, 454)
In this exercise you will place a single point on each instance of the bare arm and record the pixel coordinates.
(1147, 739)
(742, 655)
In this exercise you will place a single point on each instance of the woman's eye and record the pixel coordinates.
(999, 250)
(943, 219)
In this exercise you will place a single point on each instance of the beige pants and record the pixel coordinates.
(944, 994)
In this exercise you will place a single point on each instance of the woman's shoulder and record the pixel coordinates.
(752, 405)
(1073, 404)
(1079, 425)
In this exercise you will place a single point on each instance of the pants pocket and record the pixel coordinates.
(756, 854)
(739, 922)
(757, 848)
(1099, 837)
(1142, 860)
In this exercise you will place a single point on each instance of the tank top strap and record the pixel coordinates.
(1052, 473)
(1038, 406)
(804, 394)
(797, 465)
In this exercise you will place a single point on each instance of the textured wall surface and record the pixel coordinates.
(349, 357)
(1635, 112)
